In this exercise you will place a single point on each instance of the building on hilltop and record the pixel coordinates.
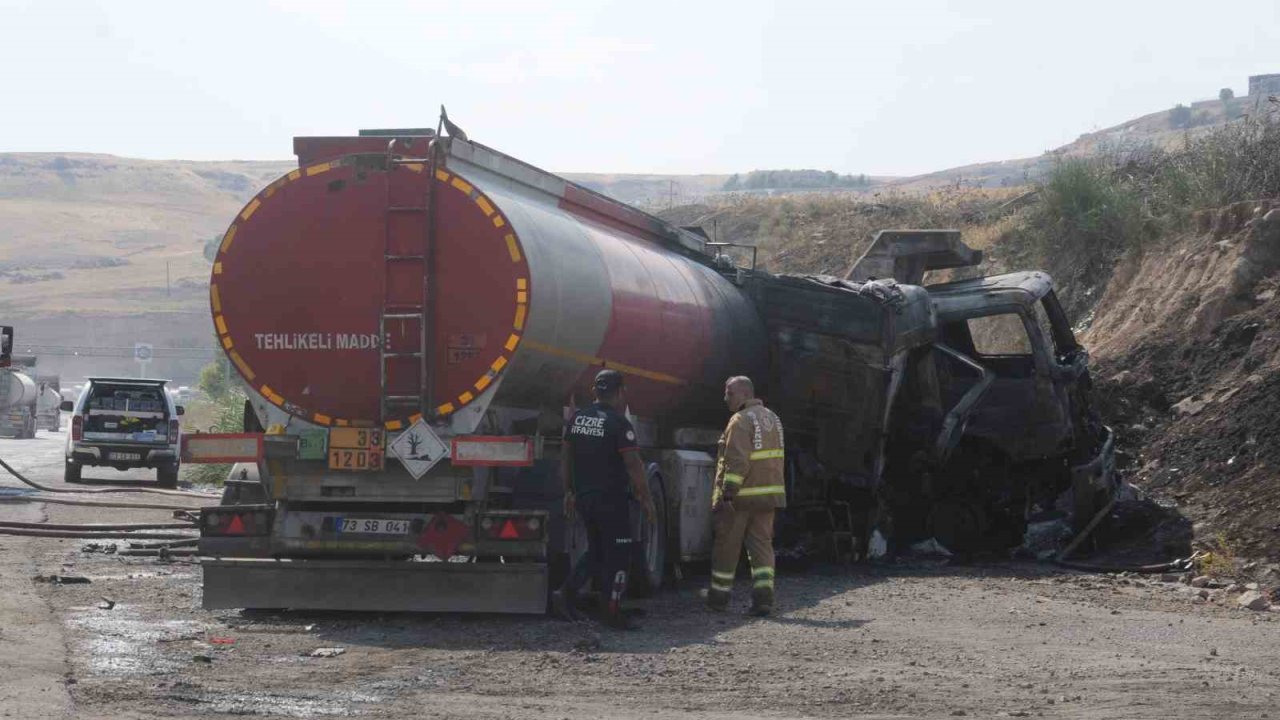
(1264, 85)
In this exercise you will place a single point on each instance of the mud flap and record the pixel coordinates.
(375, 585)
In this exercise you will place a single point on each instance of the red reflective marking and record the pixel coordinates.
(236, 526)
(509, 532)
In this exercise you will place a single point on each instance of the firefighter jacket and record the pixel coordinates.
(750, 460)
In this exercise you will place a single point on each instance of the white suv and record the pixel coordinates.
(124, 423)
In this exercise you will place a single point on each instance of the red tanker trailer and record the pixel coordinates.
(411, 317)
(398, 283)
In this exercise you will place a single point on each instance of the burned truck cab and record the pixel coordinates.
(1027, 440)
(1036, 421)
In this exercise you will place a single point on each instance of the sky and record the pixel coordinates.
(644, 86)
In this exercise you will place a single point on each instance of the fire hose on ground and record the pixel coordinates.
(93, 491)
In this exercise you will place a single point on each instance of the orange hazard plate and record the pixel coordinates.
(354, 459)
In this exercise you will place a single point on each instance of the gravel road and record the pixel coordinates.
(918, 639)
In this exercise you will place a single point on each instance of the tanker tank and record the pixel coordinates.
(16, 389)
(374, 283)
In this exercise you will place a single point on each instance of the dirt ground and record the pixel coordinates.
(919, 639)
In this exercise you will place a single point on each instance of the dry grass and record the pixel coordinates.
(824, 233)
(1220, 558)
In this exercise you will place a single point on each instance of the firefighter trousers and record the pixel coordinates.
(731, 528)
(609, 549)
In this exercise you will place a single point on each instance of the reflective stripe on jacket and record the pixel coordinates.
(750, 460)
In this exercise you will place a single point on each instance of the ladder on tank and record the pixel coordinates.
(403, 327)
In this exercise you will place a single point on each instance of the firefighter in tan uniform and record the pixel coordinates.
(749, 487)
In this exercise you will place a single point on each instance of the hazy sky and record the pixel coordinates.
(889, 87)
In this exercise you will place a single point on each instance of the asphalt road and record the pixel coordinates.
(919, 639)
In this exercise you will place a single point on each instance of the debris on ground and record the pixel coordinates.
(107, 604)
(327, 652)
(1253, 600)
(1047, 537)
(930, 547)
(62, 579)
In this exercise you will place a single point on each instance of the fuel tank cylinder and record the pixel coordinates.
(370, 285)
(16, 389)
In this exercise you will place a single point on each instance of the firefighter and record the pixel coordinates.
(599, 461)
(749, 487)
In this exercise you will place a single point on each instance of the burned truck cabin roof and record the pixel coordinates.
(978, 296)
(885, 315)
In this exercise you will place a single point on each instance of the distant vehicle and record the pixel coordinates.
(17, 392)
(124, 423)
(18, 395)
(49, 403)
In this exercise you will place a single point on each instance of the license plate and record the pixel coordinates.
(370, 525)
(126, 456)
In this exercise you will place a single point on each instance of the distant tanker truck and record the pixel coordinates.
(412, 316)
(19, 393)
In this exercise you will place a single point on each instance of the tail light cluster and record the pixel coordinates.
(77, 427)
(173, 431)
(229, 522)
(513, 527)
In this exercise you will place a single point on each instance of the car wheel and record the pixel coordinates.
(650, 566)
(167, 476)
(72, 473)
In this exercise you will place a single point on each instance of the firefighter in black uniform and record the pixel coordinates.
(599, 460)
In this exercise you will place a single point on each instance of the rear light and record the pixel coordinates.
(77, 427)
(173, 430)
(234, 522)
(512, 527)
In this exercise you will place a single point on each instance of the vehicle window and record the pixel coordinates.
(126, 398)
(999, 335)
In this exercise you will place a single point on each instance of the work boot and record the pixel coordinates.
(761, 602)
(716, 600)
(564, 605)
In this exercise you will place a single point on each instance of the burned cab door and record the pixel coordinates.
(1022, 412)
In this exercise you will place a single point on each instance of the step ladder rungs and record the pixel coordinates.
(401, 354)
(402, 316)
(403, 399)
(407, 208)
(405, 257)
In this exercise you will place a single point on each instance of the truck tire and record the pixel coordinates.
(71, 474)
(167, 476)
(650, 562)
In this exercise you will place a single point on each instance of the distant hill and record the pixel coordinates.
(1157, 129)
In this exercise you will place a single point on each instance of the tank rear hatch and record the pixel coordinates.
(333, 260)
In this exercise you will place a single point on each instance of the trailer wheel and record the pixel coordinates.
(650, 563)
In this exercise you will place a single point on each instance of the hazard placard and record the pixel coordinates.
(419, 449)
